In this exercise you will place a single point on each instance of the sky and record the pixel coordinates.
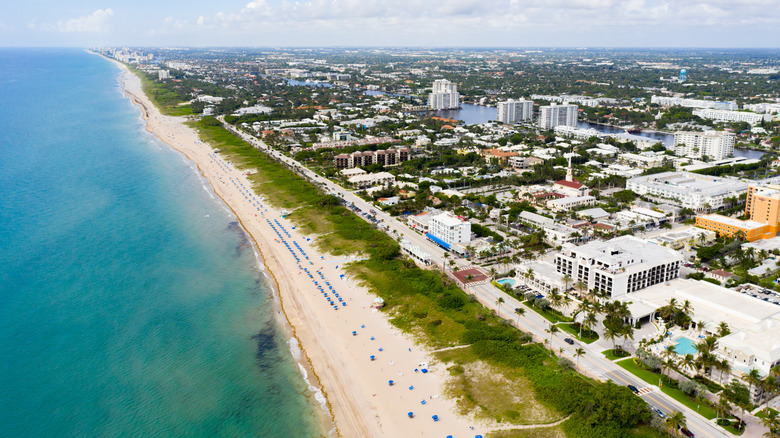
(392, 23)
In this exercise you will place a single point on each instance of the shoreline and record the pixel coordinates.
(334, 343)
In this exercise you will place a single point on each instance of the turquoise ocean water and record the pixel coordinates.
(130, 301)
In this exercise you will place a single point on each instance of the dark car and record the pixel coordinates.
(686, 432)
(633, 388)
(569, 341)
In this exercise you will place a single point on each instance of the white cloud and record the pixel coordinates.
(94, 22)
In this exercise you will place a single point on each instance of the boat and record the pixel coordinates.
(634, 130)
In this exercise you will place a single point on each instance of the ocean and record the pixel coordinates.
(131, 301)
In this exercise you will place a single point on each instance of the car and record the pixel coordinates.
(686, 432)
(569, 341)
(659, 412)
(633, 388)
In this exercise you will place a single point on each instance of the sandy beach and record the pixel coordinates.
(328, 312)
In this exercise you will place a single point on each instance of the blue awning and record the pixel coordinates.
(438, 241)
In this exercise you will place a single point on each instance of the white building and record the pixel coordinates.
(693, 103)
(716, 145)
(554, 115)
(163, 74)
(447, 230)
(513, 111)
(644, 160)
(570, 203)
(444, 96)
(372, 179)
(731, 116)
(688, 190)
(619, 266)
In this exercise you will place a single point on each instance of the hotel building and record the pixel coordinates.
(619, 266)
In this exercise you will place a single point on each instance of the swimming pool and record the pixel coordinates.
(685, 346)
(506, 282)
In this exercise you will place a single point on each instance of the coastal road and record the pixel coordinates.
(593, 362)
(394, 226)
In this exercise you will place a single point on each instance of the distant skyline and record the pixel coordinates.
(415, 23)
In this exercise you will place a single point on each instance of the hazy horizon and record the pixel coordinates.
(670, 24)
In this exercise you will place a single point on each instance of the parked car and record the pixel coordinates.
(659, 412)
(569, 341)
(633, 388)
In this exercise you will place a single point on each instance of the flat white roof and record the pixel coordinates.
(447, 220)
(750, 225)
(626, 251)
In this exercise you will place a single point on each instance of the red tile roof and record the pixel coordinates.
(572, 184)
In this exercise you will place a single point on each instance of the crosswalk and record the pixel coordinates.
(645, 390)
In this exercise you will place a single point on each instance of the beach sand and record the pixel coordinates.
(360, 400)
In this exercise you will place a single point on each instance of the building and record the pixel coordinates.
(644, 160)
(415, 252)
(728, 226)
(554, 115)
(731, 116)
(754, 323)
(513, 111)
(447, 230)
(689, 190)
(762, 206)
(619, 266)
(388, 157)
(570, 203)
(372, 179)
(694, 103)
(570, 186)
(716, 145)
(444, 96)
(163, 74)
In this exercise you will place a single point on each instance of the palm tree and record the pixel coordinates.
(772, 422)
(723, 329)
(610, 333)
(770, 385)
(725, 368)
(687, 361)
(566, 280)
(578, 353)
(674, 422)
(589, 321)
(552, 330)
(499, 302)
(723, 408)
(520, 312)
(700, 325)
(753, 378)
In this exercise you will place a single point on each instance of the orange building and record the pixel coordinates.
(728, 226)
(762, 206)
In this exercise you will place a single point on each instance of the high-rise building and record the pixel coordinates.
(444, 96)
(557, 115)
(513, 111)
(716, 145)
(683, 75)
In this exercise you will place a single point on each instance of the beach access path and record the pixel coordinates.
(360, 400)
